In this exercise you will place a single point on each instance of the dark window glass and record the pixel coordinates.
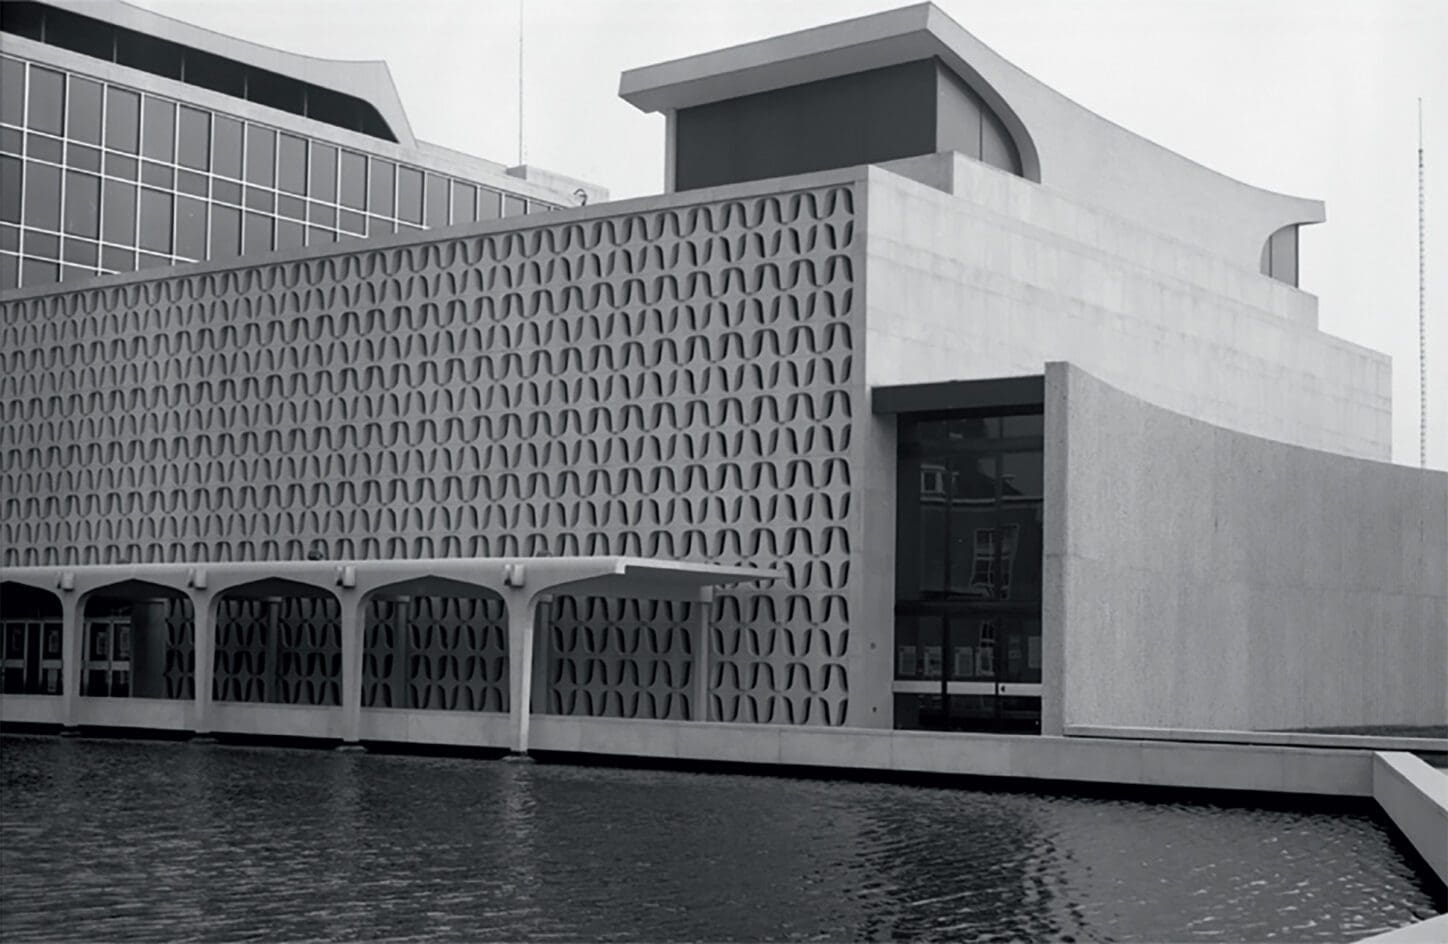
(324, 172)
(190, 228)
(9, 271)
(514, 206)
(215, 73)
(261, 155)
(11, 140)
(118, 212)
(10, 189)
(123, 119)
(193, 138)
(81, 252)
(350, 222)
(158, 129)
(194, 184)
(317, 236)
(10, 238)
(377, 226)
(158, 176)
(289, 235)
(437, 201)
(42, 244)
(325, 215)
(12, 91)
(43, 148)
(291, 164)
(156, 220)
(294, 207)
(226, 146)
(83, 157)
(260, 200)
(225, 232)
(354, 180)
(148, 53)
(42, 196)
(70, 273)
(82, 204)
(226, 191)
(464, 202)
(85, 111)
(47, 101)
(145, 260)
(380, 200)
(35, 272)
(409, 195)
(257, 236)
(123, 167)
(118, 260)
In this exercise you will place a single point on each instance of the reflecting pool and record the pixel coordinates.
(110, 840)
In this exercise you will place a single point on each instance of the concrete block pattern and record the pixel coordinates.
(674, 381)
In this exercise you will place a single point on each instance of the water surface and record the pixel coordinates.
(113, 840)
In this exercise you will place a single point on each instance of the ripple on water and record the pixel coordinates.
(113, 840)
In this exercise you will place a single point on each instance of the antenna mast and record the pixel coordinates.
(1422, 314)
(520, 84)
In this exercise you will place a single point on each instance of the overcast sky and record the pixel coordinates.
(1316, 98)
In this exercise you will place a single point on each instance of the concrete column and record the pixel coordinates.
(72, 655)
(203, 647)
(522, 612)
(703, 611)
(352, 642)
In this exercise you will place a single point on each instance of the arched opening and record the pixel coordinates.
(278, 642)
(139, 642)
(31, 631)
(435, 644)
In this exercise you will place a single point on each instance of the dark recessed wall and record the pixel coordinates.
(864, 118)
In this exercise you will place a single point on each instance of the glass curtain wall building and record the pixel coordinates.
(97, 176)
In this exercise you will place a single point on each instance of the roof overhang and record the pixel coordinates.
(638, 577)
(995, 395)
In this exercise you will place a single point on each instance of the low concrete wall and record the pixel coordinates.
(275, 720)
(1137, 763)
(32, 709)
(1359, 742)
(1432, 931)
(460, 728)
(1208, 579)
(160, 714)
(1415, 797)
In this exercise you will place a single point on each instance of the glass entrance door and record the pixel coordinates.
(968, 573)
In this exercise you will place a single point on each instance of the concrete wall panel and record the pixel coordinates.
(1213, 579)
(998, 275)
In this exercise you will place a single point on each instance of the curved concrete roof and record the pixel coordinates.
(369, 81)
(1063, 145)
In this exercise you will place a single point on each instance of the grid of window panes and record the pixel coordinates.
(100, 178)
(968, 571)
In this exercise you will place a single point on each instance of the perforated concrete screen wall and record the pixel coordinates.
(677, 383)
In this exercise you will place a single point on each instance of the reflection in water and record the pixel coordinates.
(113, 839)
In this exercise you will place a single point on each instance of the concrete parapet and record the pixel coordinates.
(1415, 797)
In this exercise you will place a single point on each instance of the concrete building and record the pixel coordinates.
(922, 399)
(130, 140)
